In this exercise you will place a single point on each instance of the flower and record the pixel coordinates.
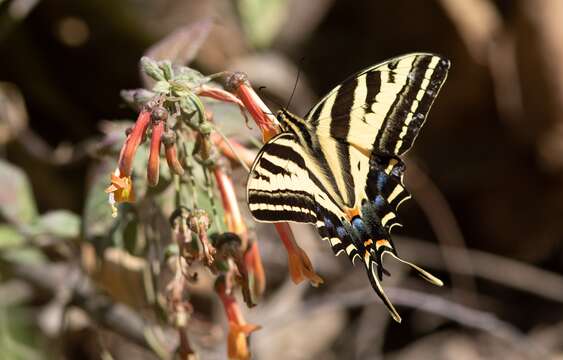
(169, 141)
(239, 330)
(133, 141)
(255, 270)
(233, 150)
(237, 347)
(120, 190)
(154, 154)
(218, 94)
(238, 84)
(159, 115)
(300, 267)
(233, 216)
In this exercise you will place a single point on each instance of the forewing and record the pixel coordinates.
(278, 187)
(382, 108)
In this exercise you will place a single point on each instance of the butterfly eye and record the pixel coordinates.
(255, 175)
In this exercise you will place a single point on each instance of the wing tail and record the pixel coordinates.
(376, 285)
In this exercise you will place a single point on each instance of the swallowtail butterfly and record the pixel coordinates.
(339, 167)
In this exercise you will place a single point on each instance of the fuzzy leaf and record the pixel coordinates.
(10, 237)
(59, 223)
(16, 197)
(151, 68)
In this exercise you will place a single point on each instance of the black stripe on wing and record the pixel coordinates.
(337, 233)
(412, 104)
(389, 110)
(278, 187)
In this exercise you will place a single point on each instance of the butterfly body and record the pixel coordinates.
(339, 167)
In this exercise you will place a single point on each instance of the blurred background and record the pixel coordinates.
(486, 175)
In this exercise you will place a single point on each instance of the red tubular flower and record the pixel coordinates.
(132, 143)
(300, 267)
(169, 140)
(255, 269)
(233, 217)
(246, 155)
(154, 155)
(238, 84)
(218, 94)
(237, 345)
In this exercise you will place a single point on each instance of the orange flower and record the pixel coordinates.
(120, 190)
(133, 141)
(255, 269)
(266, 121)
(169, 140)
(239, 330)
(218, 94)
(300, 267)
(233, 217)
(228, 149)
(237, 347)
(154, 155)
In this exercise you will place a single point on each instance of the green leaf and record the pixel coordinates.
(10, 237)
(17, 203)
(151, 68)
(20, 337)
(27, 255)
(97, 219)
(189, 76)
(166, 67)
(59, 223)
(262, 19)
(161, 87)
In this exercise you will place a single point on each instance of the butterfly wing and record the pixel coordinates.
(278, 186)
(383, 107)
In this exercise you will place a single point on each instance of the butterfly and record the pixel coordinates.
(340, 169)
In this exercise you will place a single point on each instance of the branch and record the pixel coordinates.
(498, 269)
(52, 278)
(472, 318)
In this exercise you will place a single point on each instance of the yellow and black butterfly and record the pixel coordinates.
(339, 168)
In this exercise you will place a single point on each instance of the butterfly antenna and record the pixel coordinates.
(296, 82)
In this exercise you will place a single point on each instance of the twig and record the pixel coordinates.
(495, 268)
(116, 317)
(477, 22)
(445, 226)
(433, 304)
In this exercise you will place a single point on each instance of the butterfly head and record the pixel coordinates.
(291, 123)
(282, 118)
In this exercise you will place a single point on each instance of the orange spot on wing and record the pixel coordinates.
(351, 212)
(382, 242)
